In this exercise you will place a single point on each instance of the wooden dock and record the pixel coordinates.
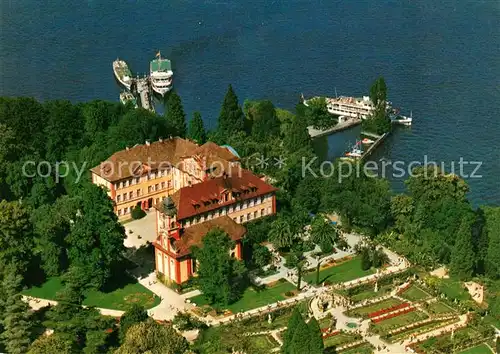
(378, 140)
(144, 94)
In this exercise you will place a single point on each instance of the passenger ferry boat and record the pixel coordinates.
(122, 73)
(126, 97)
(350, 106)
(161, 74)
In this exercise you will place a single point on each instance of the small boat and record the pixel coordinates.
(122, 73)
(400, 119)
(355, 151)
(126, 97)
(367, 141)
(161, 74)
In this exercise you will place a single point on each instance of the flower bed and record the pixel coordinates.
(327, 335)
(403, 289)
(388, 309)
(392, 315)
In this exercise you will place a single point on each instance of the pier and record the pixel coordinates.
(378, 140)
(316, 133)
(144, 94)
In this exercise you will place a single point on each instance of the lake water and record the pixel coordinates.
(440, 59)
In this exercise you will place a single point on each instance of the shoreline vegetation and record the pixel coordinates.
(64, 227)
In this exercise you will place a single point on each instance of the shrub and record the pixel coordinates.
(185, 321)
(137, 212)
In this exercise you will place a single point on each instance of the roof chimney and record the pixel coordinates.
(147, 143)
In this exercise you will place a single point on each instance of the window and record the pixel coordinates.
(125, 184)
(249, 216)
(157, 200)
(157, 187)
(255, 201)
(138, 192)
(237, 207)
(262, 199)
(121, 184)
(231, 209)
(149, 189)
(255, 214)
(118, 198)
(169, 184)
(137, 180)
(125, 196)
(119, 212)
(262, 211)
(220, 212)
(193, 266)
(131, 195)
(162, 185)
(235, 220)
(241, 218)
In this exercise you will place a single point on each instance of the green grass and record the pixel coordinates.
(414, 293)
(422, 329)
(453, 289)
(399, 321)
(343, 272)
(253, 298)
(338, 340)
(370, 294)
(262, 343)
(480, 349)
(118, 299)
(439, 308)
(365, 310)
(362, 349)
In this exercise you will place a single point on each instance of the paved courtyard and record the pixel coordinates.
(139, 232)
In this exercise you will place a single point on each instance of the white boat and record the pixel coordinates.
(161, 74)
(122, 73)
(403, 119)
(367, 141)
(355, 151)
(126, 97)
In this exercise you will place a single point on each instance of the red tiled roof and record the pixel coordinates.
(193, 235)
(186, 198)
(212, 149)
(127, 163)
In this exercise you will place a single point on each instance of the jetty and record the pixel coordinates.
(143, 90)
(349, 122)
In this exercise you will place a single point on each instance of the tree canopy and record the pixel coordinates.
(196, 129)
(175, 114)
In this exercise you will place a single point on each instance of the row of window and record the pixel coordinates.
(125, 211)
(136, 180)
(131, 195)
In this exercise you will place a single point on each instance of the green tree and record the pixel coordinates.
(231, 119)
(16, 235)
(292, 325)
(137, 212)
(196, 129)
(492, 261)
(221, 278)
(296, 136)
(261, 256)
(378, 92)
(281, 234)
(16, 318)
(50, 345)
(366, 262)
(316, 345)
(301, 339)
(463, 259)
(263, 120)
(96, 238)
(317, 114)
(308, 194)
(151, 337)
(323, 233)
(131, 317)
(175, 114)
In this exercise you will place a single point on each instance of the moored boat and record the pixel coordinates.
(126, 97)
(367, 141)
(161, 74)
(122, 73)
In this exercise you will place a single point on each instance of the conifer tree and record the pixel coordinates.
(492, 259)
(463, 257)
(16, 318)
(175, 114)
(231, 119)
(301, 339)
(196, 129)
(316, 345)
(366, 262)
(290, 330)
(297, 136)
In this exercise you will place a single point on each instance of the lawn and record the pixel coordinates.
(262, 343)
(343, 272)
(121, 298)
(439, 308)
(338, 340)
(422, 329)
(363, 349)
(454, 289)
(365, 310)
(370, 294)
(480, 349)
(414, 293)
(398, 321)
(253, 298)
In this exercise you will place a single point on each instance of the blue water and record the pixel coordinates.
(439, 58)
